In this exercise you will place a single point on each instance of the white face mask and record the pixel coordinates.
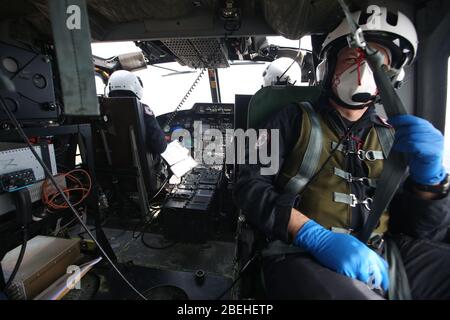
(356, 90)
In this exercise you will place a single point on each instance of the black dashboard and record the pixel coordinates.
(191, 208)
(212, 115)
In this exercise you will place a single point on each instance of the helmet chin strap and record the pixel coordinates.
(341, 103)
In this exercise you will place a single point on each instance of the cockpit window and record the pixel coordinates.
(166, 84)
(245, 77)
(107, 50)
(305, 43)
(240, 78)
(165, 88)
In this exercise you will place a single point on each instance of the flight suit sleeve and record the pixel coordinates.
(154, 136)
(265, 207)
(419, 218)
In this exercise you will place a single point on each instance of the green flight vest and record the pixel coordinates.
(327, 200)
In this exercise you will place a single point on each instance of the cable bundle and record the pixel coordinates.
(77, 189)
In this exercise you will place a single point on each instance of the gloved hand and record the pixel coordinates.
(344, 254)
(424, 145)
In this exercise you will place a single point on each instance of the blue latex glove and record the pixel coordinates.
(424, 145)
(344, 254)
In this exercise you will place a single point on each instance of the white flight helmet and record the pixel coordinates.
(286, 68)
(392, 30)
(122, 80)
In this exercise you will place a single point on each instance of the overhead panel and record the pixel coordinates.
(199, 53)
(296, 18)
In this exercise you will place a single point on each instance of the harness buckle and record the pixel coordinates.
(366, 155)
(342, 230)
(361, 154)
(353, 200)
(370, 155)
(366, 202)
(376, 242)
(350, 178)
(357, 179)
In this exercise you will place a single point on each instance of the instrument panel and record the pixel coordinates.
(213, 108)
(212, 116)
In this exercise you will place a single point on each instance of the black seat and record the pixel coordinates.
(120, 146)
(264, 104)
(269, 100)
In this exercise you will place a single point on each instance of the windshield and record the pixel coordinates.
(163, 89)
(166, 84)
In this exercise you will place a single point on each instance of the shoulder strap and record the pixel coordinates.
(394, 171)
(312, 155)
(386, 139)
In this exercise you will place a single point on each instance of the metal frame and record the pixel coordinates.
(13, 238)
(434, 50)
(214, 85)
(143, 198)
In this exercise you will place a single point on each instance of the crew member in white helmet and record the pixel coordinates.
(282, 71)
(309, 225)
(126, 84)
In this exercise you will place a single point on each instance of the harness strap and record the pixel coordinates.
(394, 171)
(350, 178)
(312, 155)
(370, 155)
(351, 200)
(386, 139)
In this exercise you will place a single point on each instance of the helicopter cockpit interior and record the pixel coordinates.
(79, 186)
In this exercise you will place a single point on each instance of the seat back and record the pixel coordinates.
(241, 102)
(121, 114)
(265, 103)
(269, 100)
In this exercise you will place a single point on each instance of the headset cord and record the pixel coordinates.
(19, 259)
